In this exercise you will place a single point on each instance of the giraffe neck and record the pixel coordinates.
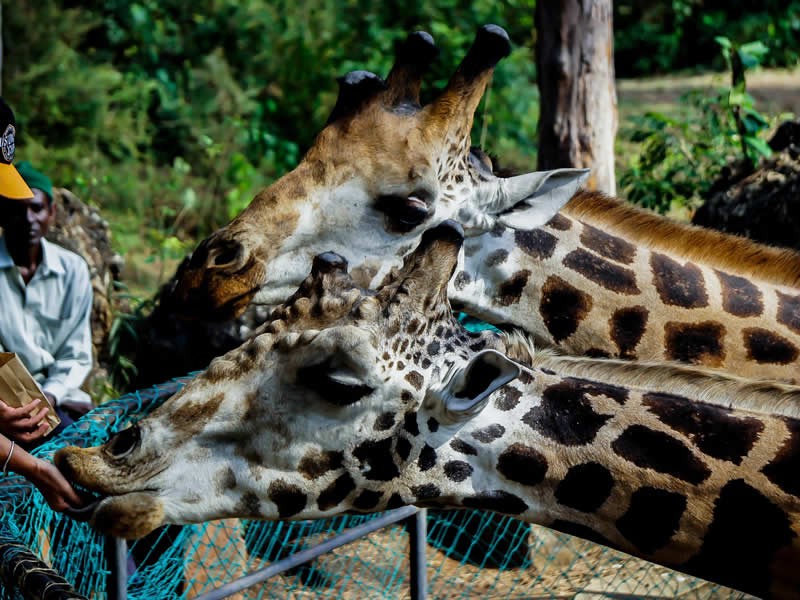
(677, 479)
(591, 287)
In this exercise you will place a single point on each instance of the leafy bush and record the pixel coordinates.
(666, 36)
(178, 112)
(681, 157)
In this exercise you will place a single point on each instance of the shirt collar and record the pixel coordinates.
(49, 264)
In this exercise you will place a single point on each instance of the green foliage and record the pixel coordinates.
(681, 157)
(669, 35)
(123, 336)
(114, 97)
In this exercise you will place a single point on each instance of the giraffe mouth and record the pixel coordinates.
(85, 512)
(128, 516)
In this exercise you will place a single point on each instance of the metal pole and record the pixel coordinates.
(117, 557)
(418, 534)
(304, 556)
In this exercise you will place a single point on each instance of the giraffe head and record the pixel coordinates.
(382, 170)
(351, 400)
(315, 407)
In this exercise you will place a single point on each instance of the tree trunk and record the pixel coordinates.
(575, 64)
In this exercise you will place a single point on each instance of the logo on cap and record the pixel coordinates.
(7, 145)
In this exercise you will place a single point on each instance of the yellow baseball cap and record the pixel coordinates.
(11, 183)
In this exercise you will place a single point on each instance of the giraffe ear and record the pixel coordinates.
(467, 389)
(531, 200)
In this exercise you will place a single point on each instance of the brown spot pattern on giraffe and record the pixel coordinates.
(652, 518)
(315, 463)
(676, 284)
(457, 470)
(427, 491)
(415, 379)
(490, 433)
(699, 343)
(656, 450)
(559, 222)
(783, 469)
(627, 328)
(376, 460)
(522, 464)
(537, 243)
(508, 398)
(498, 257)
(563, 307)
(608, 245)
(463, 447)
(190, 417)
(510, 291)
(336, 492)
(711, 428)
(602, 272)
(764, 346)
(384, 421)
(462, 280)
(723, 558)
(250, 505)
(566, 414)
(427, 458)
(289, 498)
(585, 487)
(367, 500)
(789, 311)
(740, 297)
(403, 449)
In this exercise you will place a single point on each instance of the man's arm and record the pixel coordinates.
(73, 358)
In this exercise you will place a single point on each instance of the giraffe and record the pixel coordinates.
(601, 278)
(352, 400)
(382, 170)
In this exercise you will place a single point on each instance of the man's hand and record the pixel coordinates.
(58, 492)
(25, 423)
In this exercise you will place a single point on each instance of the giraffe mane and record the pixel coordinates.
(719, 250)
(696, 383)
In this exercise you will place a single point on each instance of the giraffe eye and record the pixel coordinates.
(337, 385)
(124, 442)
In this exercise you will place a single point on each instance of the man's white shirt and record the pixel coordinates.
(47, 321)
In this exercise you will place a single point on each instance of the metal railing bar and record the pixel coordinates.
(304, 556)
(417, 539)
(117, 557)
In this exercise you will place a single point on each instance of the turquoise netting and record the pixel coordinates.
(469, 553)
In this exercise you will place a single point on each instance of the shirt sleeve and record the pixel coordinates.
(73, 357)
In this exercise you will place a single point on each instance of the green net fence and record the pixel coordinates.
(469, 553)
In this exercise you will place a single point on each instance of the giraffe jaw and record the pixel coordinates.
(129, 516)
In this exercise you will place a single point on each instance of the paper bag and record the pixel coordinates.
(19, 388)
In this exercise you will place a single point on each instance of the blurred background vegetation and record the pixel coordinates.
(168, 115)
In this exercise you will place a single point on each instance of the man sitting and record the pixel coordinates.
(46, 295)
(25, 424)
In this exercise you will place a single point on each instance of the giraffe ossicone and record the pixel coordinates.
(360, 401)
(382, 170)
(600, 278)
